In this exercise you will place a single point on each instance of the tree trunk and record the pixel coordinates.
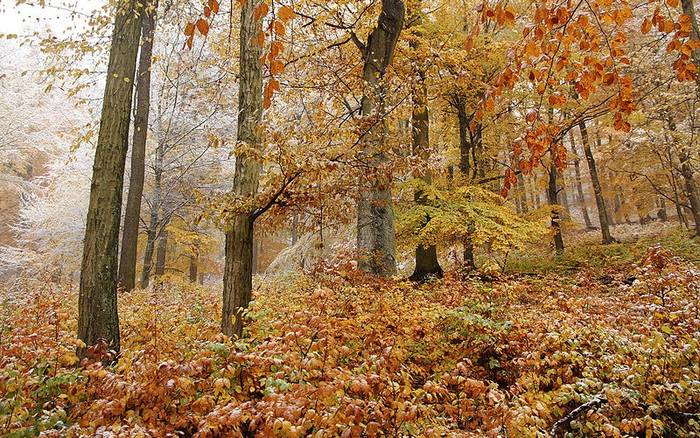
(162, 252)
(295, 229)
(597, 190)
(98, 320)
(522, 196)
(376, 239)
(579, 184)
(154, 227)
(194, 265)
(689, 10)
(148, 252)
(552, 195)
(467, 157)
(238, 268)
(132, 215)
(427, 264)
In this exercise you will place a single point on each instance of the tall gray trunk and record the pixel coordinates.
(132, 215)
(376, 239)
(597, 189)
(238, 268)
(98, 319)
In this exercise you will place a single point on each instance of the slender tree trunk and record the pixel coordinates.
(98, 319)
(295, 229)
(597, 190)
(689, 10)
(465, 145)
(579, 184)
(132, 215)
(162, 252)
(686, 169)
(238, 268)
(467, 157)
(194, 265)
(427, 264)
(148, 252)
(522, 196)
(154, 225)
(376, 239)
(552, 195)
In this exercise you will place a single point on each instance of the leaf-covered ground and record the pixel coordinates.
(336, 354)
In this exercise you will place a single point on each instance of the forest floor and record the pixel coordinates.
(603, 341)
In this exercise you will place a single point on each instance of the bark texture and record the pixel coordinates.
(597, 189)
(468, 142)
(132, 215)
(238, 269)
(553, 198)
(376, 239)
(427, 264)
(98, 320)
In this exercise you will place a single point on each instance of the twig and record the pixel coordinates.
(564, 422)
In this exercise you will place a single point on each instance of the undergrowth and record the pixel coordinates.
(339, 354)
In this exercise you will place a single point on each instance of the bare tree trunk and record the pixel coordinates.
(579, 184)
(427, 264)
(238, 268)
(597, 190)
(132, 215)
(161, 251)
(691, 190)
(194, 262)
(154, 226)
(98, 319)
(552, 195)
(689, 10)
(295, 229)
(376, 239)
(467, 168)
(522, 196)
(152, 235)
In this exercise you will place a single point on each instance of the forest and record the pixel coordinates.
(349, 218)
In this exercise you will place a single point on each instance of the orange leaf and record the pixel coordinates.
(285, 13)
(261, 10)
(203, 26)
(207, 11)
(214, 6)
(276, 67)
(279, 28)
(189, 29)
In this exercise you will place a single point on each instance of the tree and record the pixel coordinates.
(238, 269)
(597, 189)
(427, 264)
(98, 319)
(376, 240)
(132, 216)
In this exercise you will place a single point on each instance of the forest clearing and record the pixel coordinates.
(349, 218)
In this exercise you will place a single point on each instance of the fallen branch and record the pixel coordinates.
(564, 422)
